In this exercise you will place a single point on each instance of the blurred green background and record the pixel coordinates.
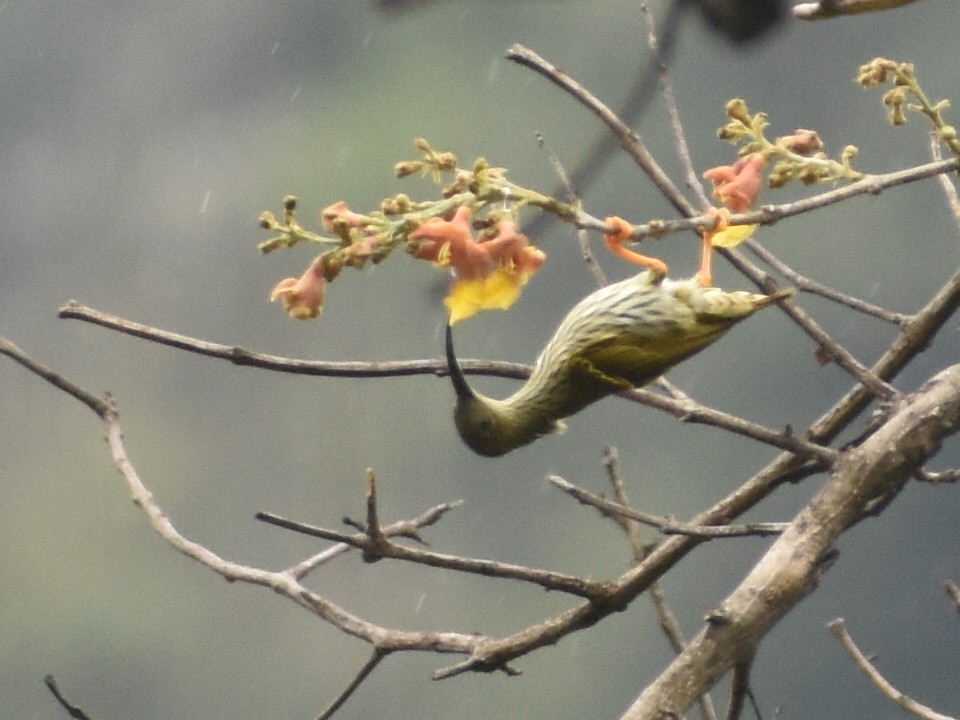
(138, 144)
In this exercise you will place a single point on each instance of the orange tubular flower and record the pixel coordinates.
(489, 272)
(451, 243)
(738, 186)
(510, 249)
(302, 297)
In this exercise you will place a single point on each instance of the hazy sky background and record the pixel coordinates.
(140, 141)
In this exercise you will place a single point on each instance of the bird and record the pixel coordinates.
(620, 337)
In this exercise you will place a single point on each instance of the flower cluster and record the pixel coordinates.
(489, 271)
(907, 88)
(358, 241)
(798, 156)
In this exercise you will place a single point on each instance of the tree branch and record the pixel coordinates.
(906, 703)
(376, 546)
(362, 674)
(665, 525)
(629, 139)
(792, 567)
(683, 408)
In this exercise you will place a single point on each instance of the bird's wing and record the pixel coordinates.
(628, 361)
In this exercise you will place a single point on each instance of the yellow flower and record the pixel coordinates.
(497, 291)
(732, 235)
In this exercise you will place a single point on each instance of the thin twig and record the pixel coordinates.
(71, 709)
(914, 338)
(910, 705)
(943, 477)
(573, 199)
(240, 356)
(355, 682)
(630, 527)
(383, 548)
(687, 410)
(629, 139)
(802, 282)
(739, 689)
(946, 181)
(827, 346)
(668, 621)
(666, 525)
(676, 125)
(401, 528)
(100, 406)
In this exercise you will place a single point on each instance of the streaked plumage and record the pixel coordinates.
(622, 336)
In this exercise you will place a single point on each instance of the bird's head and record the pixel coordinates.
(487, 426)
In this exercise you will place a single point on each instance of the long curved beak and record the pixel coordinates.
(460, 385)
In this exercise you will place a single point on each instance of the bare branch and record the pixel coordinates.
(665, 525)
(630, 527)
(676, 125)
(946, 182)
(888, 690)
(484, 654)
(802, 282)
(573, 199)
(376, 547)
(739, 689)
(668, 621)
(355, 682)
(686, 410)
(830, 348)
(100, 406)
(792, 567)
(917, 335)
(629, 139)
(938, 478)
(240, 356)
(71, 709)
(402, 528)
(283, 583)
